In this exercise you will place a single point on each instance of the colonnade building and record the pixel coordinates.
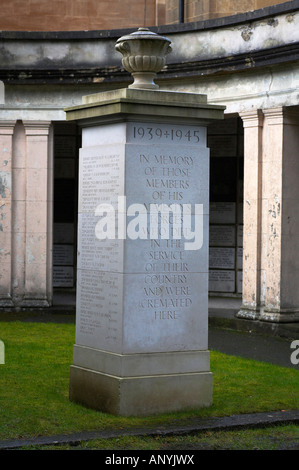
(244, 55)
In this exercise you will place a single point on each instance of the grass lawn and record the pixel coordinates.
(34, 384)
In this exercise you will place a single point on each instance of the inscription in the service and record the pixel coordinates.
(167, 294)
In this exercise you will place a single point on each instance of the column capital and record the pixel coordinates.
(252, 118)
(37, 127)
(7, 127)
(275, 116)
(282, 115)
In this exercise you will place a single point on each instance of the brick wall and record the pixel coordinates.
(197, 10)
(71, 15)
(74, 15)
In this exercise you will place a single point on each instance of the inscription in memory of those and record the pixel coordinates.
(167, 175)
(146, 171)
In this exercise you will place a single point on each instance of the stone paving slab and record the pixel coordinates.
(228, 423)
(252, 345)
(283, 330)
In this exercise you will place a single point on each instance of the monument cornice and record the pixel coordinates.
(136, 104)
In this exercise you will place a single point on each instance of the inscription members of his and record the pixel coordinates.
(168, 175)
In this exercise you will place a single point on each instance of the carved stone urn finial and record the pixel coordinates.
(143, 56)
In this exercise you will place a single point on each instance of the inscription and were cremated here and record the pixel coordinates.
(170, 313)
(160, 278)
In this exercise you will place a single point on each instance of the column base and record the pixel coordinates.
(6, 302)
(35, 303)
(133, 392)
(248, 314)
(283, 316)
(279, 317)
(15, 304)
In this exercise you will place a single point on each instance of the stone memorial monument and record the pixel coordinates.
(143, 226)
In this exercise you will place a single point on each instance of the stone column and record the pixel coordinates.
(19, 214)
(253, 126)
(280, 223)
(38, 214)
(6, 136)
(271, 198)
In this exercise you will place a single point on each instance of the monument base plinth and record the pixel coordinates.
(140, 396)
(141, 384)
